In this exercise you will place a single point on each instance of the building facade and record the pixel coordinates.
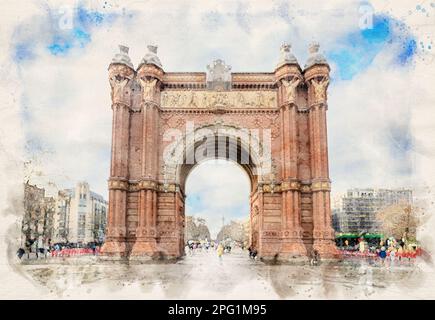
(80, 216)
(339, 221)
(360, 207)
(37, 224)
(290, 212)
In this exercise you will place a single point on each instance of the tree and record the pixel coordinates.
(38, 214)
(235, 230)
(196, 229)
(398, 220)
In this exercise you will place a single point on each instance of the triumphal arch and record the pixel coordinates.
(273, 124)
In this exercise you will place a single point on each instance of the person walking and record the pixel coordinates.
(392, 257)
(383, 255)
(220, 251)
(362, 246)
(94, 248)
(315, 257)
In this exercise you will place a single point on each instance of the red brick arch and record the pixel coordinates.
(284, 110)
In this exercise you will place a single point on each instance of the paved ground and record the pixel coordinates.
(202, 275)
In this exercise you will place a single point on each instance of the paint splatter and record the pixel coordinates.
(357, 50)
(58, 33)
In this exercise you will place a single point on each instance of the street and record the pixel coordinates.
(203, 276)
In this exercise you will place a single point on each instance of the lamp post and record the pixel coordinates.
(408, 216)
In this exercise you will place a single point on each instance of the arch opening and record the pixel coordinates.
(216, 142)
(218, 202)
(217, 148)
(232, 151)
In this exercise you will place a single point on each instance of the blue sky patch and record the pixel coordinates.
(409, 49)
(23, 52)
(356, 51)
(80, 35)
(88, 19)
(56, 40)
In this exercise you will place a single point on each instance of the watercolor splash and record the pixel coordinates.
(357, 50)
(60, 31)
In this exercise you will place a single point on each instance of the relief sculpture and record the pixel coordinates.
(223, 99)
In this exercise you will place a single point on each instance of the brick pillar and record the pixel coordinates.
(149, 77)
(316, 77)
(288, 79)
(120, 76)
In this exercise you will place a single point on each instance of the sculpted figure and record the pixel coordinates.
(320, 88)
(225, 99)
(240, 100)
(191, 99)
(148, 88)
(213, 100)
(182, 99)
(252, 102)
(260, 99)
(204, 100)
(176, 100)
(118, 84)
(271, 101)
(164, 98)
(290, 88)
(195, 100)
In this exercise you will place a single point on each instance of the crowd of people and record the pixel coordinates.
(220, 247)
(36, 249)
(193, 246)
(388, 251)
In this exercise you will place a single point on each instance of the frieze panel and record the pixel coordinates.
(198, 77)
(188, 99)
(253, 77)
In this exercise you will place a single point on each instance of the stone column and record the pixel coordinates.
(317, 78)
(120, 75)
(150, 77)
(288, 76)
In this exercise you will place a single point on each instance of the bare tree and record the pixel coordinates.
(235, 230)
(398, 220)
(196, 229)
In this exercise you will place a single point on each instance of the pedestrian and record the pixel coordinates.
(220, 251)
(400, 253)
(252, 253)
(314, 258)
(362, 247)
(402, 243)
(28, 246)
(346, 244)
(383, 254)
(392, 257)
(20, 253)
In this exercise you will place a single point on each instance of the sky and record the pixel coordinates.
(219, 191)
(56, 56)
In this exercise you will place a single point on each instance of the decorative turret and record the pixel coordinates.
(122, 57)
(150, 75)
(316, 75)
(151, 57)
(287, 57)
(288, 76)
(315, 56)
(121, 72)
